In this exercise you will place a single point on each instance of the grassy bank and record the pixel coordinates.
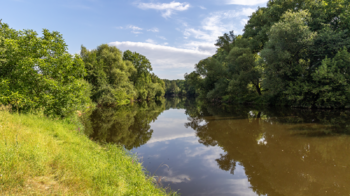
(40, 156)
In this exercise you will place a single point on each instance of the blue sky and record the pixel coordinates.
(173, 34)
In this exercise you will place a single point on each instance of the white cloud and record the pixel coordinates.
(202, 7)
(151, 41)
(134, 29)
(246, 2)
(161, 37)
(156, 30)
(244, 21)
(213, 26)
(167, 9)
(164, 57)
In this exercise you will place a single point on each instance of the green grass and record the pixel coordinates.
(41, 156)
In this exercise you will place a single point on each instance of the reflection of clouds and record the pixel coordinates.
(202, 123)
(171, 177)
(150, 145)
(168, 123)
(237, 186)
(177, 179)
(191, 140)
(166, 129)
(207, 154)
(154, 156)
(181, 111)
(192, 164)
(240, 185)
(171, 136)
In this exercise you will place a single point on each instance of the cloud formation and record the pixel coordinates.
(167, 62)
(134, 29)
(246, 2)
(213, 26)
(167, 9)
(138, 30)
(155, 30)
(150, 41)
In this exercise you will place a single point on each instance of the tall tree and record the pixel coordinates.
(108, 74)
(39, 73)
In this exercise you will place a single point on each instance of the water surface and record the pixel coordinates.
(201, 149)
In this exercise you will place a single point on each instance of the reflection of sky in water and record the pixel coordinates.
(175, 155)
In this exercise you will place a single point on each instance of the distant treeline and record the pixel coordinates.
(292, 52)
(179, 88)
(38, 74)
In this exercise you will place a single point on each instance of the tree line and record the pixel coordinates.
(38, 74)
(292, 52)
(179, 87)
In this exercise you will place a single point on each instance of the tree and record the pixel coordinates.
(147, 84)
(109, 75)
(329, 85)
(140, 62)
(243, 66)
(226, 41)
(38, 73)
(286, 53)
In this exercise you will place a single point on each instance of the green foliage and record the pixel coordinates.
(281, 55)
(109, 75)
(38, 72)
(243, 68)
(329, 87)
(192, 83)
(140, 62)
(147, 84)
(178, 88)
(286, 54)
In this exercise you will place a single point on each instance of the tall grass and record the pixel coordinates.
(41, 156)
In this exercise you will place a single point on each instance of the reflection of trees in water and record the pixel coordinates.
(271, 145)
(126, 125)
(175, 103)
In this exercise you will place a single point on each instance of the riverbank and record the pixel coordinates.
(41, 156)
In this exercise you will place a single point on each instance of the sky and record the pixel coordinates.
(173, 34)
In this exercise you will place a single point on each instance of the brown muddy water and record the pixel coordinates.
(199, 149)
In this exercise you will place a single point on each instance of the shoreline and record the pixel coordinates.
(42, 156)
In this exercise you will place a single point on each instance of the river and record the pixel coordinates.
(201, 149)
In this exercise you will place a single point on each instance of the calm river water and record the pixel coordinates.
(199, 149)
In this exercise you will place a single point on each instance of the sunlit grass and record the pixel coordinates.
(40, 156)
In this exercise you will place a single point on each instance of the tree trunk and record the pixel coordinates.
(258, 88)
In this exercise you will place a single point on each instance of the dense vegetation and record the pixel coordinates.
(179, 88)
(38, 77)
(292, 52)
(38, 74)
